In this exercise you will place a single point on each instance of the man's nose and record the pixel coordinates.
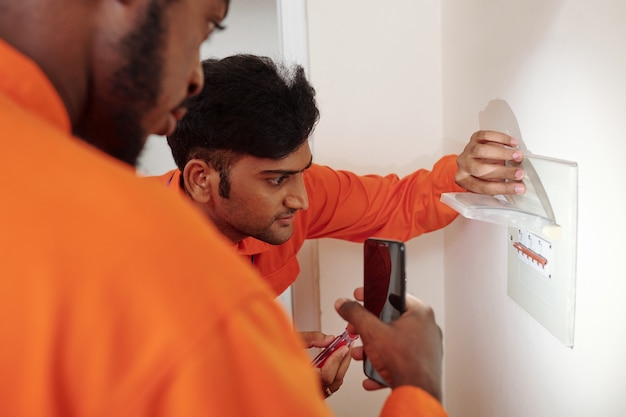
(196, 81)
(298, 198)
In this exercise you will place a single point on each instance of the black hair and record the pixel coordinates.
(249, 105)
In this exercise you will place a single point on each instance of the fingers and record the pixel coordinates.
(406, 352)
(413, 303)
(371, 385)
(355, 314)
(334, 370)
(416, 306)
(489, 164)
(488, 187)
(316, 339)
(357, 353)
(491, 136)
(362, 321)
(335, 366)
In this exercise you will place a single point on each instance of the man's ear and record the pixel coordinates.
(198, 178)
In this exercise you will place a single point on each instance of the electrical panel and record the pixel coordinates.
(541, 239)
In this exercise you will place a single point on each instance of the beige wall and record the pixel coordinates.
(560, 66)
(394, 92)
(376, 69)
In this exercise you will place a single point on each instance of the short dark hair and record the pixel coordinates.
(249, 105)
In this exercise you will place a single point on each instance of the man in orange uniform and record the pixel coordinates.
(244, 160)
(111, 303)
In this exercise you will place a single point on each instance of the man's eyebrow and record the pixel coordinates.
(287, 171)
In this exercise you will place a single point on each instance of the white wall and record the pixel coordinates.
(561, 68)
(376, 69)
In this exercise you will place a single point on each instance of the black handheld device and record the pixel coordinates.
(384, 284)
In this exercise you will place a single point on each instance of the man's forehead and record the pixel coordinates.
(291, 164)
(218, 8)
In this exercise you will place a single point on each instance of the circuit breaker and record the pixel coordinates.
(541, 239)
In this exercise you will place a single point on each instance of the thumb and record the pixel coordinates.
(357, 316)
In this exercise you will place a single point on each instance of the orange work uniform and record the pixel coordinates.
(346, 206)
(110, 304)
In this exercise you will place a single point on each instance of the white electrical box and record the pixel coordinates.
(541, 243)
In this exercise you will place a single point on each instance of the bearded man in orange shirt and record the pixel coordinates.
(111, 303)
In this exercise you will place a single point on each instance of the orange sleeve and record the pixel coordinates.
(346, 206)
(412, 401)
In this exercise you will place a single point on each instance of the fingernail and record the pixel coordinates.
(339, 302)
(519, 189)
(517, 156)
(519, 174)
(513, 142)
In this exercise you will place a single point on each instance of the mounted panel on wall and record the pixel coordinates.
(541, 243)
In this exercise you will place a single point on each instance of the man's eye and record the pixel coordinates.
(277, 180)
